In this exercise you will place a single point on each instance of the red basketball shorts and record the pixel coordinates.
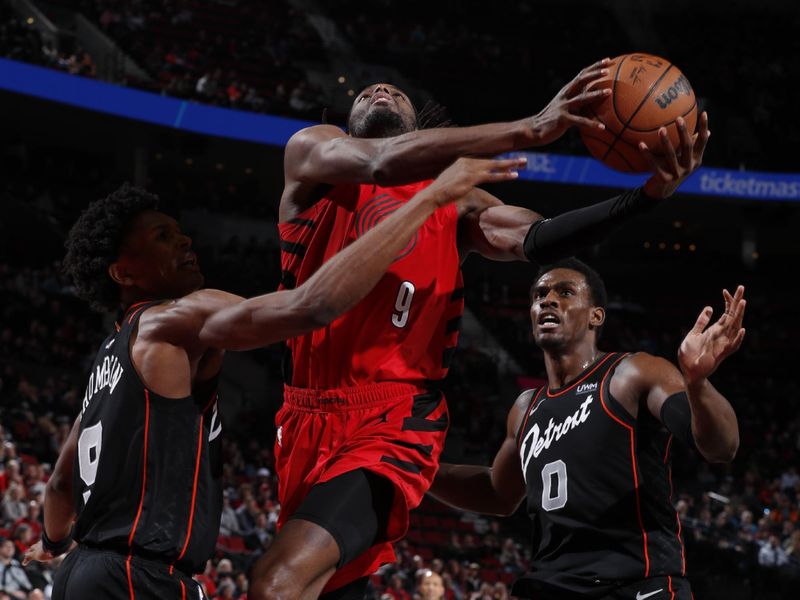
(395, 430)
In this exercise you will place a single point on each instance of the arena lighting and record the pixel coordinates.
(719, 497)
(152, 108)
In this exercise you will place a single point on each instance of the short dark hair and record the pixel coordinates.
(94, 242)
(597, 287)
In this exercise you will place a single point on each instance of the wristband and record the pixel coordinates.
(56, 548)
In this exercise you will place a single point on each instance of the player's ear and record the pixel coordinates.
(597, 316)
(120, 273)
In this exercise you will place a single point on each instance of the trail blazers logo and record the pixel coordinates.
(375, 211)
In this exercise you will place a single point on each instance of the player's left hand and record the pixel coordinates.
(672, 167)
(567, 108)
(702, 350)
(36, 552)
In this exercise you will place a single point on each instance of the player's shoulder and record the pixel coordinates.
(308, 136)
(641, 360)
(642, 367)
(520, 408)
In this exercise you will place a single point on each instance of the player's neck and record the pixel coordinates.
(564, 366)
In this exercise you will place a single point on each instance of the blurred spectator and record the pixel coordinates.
(13, 580)
(430, 587)
(772, 554)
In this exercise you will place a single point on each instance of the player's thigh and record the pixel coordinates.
(354, 508)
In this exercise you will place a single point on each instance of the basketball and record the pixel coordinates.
(647, 92)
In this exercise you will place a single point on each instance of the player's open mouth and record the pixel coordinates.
(190, 262)
(548, 321)
(381, 99)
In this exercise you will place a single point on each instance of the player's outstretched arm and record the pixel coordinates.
(504, 232)
(714, 426)
(345, 279)
(325, 154)
(59, 508)
(495, 490)
(683, 399)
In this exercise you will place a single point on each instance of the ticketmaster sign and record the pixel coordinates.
(558, 168)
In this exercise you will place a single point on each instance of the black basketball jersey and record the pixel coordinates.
(148, 471)
(599, 490)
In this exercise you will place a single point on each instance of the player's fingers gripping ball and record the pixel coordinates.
(647, 93)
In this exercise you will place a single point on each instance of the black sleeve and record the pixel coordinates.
(677, 418)
(550, 240)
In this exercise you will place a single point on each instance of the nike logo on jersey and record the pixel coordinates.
(641, 596)
(108, 345)
(552, 434)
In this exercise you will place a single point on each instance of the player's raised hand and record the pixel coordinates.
(704, 348)
(459, 178)
(36, 552)
(670, 167)
(568, 106)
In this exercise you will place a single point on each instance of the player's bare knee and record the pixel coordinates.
(277, 582)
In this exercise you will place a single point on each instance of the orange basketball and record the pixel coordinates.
(647, 92)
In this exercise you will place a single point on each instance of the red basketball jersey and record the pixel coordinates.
(406, 329)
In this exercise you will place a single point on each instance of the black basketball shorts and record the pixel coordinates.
(106, 575)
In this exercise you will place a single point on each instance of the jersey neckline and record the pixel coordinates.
(581, 377)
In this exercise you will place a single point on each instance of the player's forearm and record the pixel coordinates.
(335, 288)
(714, 425)
(59, 508)
(425, 153)
(470, 487)
(344, 280)
(550, 240)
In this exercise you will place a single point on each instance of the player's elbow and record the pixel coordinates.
(383, 166)
(59, 484)
(508, 506)
(724, 453)
(730, 452)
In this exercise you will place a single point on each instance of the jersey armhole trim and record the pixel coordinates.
(535, 393)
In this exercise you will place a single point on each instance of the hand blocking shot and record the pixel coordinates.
(590, 451)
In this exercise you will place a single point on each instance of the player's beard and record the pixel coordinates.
(379, 124)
